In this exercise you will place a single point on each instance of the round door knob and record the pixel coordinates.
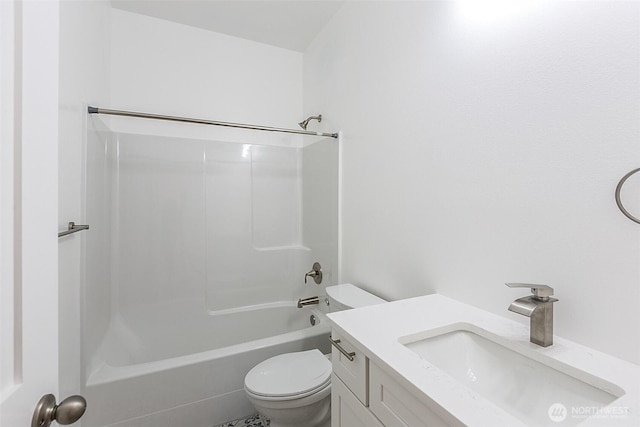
(70, 410)
(67, 412)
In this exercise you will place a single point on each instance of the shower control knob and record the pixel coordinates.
(67, 412)
(315, 273)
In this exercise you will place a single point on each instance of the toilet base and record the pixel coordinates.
(308, 411)
(284, 418)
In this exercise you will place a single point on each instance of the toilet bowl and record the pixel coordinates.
(294, 389)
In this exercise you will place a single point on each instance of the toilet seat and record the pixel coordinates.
(289, 376)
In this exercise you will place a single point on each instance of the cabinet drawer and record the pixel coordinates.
(353, 373)
(395, 406)
(346, 410)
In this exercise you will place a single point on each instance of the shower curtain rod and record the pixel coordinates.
(96, 110)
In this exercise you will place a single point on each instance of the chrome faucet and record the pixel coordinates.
(308, 301)
(539, 309)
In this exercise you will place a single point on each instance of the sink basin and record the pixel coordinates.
(519, 382)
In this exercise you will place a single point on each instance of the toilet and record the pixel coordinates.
(294, 389)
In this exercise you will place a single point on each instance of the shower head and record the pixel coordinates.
(303, 124)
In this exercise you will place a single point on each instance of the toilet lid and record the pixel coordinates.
(289, 374)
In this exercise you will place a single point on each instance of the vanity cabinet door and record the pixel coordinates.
(346, 410)
(395, 406)
(352, 372)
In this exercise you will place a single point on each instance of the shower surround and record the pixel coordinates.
(198, 249)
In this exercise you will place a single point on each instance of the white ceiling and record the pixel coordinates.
(289, 24)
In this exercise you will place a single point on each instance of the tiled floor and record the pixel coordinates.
(252, 421)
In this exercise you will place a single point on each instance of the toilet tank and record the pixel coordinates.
(346, 296)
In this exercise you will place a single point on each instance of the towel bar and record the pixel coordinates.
(73, 228)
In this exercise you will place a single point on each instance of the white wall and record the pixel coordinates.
(167, 68)
(485, 148)
(84, 68)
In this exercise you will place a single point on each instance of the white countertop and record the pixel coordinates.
(377, 329)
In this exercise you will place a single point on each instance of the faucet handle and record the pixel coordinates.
(315, 273)
(539, 291)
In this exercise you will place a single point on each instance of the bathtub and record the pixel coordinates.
(178, 366)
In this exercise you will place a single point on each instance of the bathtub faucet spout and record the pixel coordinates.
(308, 301)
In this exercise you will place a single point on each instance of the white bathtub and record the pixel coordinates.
(177, 366)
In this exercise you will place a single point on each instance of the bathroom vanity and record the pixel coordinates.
(434, 361)
(364, 395)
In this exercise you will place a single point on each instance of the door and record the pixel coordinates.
(28, 207)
